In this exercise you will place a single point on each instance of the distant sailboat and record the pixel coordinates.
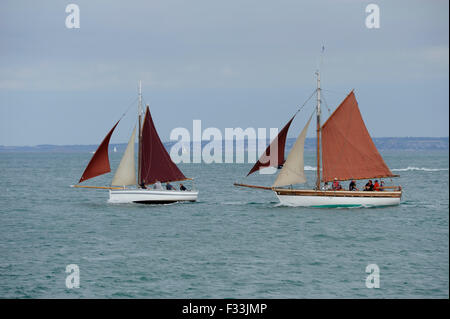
(115, 149)
(154, 166)
(348, 153)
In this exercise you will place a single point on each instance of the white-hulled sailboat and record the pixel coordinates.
(348, 153)
(154, 167)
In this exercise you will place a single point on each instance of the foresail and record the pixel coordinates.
(156, 162)
(99, 163)
(293, 171)
(126, 172)
(274, 153)
(348, 151)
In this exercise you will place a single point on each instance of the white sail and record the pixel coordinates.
(293, 169)
(126, 172)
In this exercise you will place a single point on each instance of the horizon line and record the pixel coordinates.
(37, 145)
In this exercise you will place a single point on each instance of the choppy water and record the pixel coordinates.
(232, 243)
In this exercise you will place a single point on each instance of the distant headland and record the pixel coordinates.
(382, 143)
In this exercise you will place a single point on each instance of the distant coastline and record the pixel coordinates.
(382, 143)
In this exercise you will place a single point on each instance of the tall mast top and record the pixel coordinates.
(140, 99)
(318, 92)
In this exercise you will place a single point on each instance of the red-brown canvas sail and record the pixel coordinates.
(348, 151)
(156, 162)
(276, 157)
(99, 163)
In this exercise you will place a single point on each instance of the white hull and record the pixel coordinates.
(151, 196)
(333, 201)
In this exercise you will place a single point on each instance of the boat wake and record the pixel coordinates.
(409, 168)
(327, 208)
(412, 168)
(148, 204)
(240, 203)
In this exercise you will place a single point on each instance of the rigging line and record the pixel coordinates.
(135, 126)
(314, 111)
(145, 102)
(130, 130)
(336, 92)
(326, 104)
(128, 108)
(301, 107)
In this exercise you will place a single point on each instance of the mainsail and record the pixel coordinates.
(156, 162)
(274, 153)
(126, 172)
(293, 171)
(348, 151)
(99, 163)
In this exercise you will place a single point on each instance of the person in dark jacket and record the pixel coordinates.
(352, 186)
(369, 186)
(169, 187)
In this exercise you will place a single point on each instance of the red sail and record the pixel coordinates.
(156, 162)
(277, 158)
(99, 163)
(348, 151)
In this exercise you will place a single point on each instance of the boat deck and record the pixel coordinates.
(342, 193)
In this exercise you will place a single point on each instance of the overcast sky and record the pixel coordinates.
(233, 63)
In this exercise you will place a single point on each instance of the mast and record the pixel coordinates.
(318, 130)
(140, 133)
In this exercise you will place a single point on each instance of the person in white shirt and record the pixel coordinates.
(326, 186)
(157, 185)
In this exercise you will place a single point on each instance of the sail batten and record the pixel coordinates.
(156, 164)
(274, 153)
(348, 151)
(293, 171)
(126, 172)
(99, 163)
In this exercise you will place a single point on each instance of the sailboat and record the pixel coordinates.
(154, 167)
(345, 152)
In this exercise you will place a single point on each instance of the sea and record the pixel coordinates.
(232, 243)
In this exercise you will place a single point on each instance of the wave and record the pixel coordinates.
(409, 168)
(412, 168)
(241, 203)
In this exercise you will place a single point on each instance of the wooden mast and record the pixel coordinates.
(318, 131)
(139, 134)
